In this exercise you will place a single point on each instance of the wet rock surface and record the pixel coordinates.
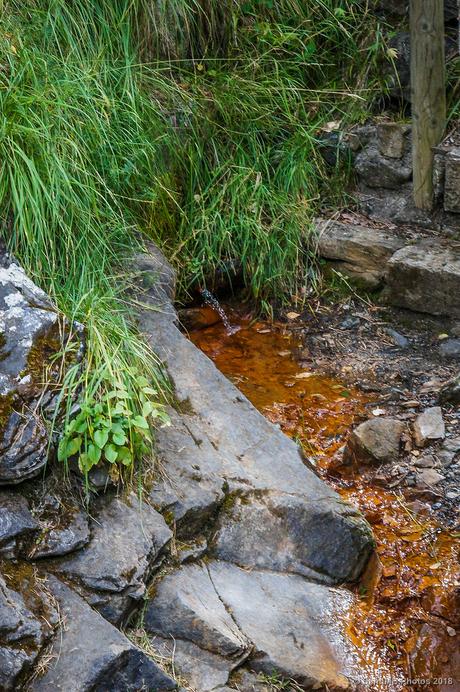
(272, 622)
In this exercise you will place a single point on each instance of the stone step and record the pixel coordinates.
(358, 251)
(421, 271)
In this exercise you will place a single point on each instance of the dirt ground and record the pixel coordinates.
(396, 357)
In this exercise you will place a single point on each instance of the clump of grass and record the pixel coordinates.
(249, 133)
(78, 147)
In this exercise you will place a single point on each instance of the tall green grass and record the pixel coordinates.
(195, 122)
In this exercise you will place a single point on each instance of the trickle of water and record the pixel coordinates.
(212, 302)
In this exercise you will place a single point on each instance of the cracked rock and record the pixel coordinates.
(90, 655)
(27, 618)
(127, 538)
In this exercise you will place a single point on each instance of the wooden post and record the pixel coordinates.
(428, 87)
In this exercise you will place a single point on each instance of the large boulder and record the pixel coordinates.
(127, 537)
(376, 441)
(90, 655)
(282, 533)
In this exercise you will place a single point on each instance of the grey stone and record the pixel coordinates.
(67, 531)
(452, 444)
(26, 624)
(429, 425)
(127, 538)
(450, 348)
(187, 606)
(203, 670)
(350, 323)
(283, 623)
(425, 462)
(446, 458)
(280, 532)
(391, 139)
(429, 477)
(426, 278)
(450, 391)
(376, 170)
(360, 252)
(26, 317)
(397, 338)
(90, 655)
(375, 441)
(192, 490)
(452, 181)
(297, 628)
(16, 522)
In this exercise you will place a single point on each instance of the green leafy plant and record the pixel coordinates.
(114, 428)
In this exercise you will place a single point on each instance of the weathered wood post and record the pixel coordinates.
(428, 86)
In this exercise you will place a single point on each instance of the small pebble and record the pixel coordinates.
(451, 632)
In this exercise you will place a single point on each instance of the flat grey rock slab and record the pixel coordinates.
(187, 606)
(90, 655)
(326, 542)
(203, 670)
(27, 618)
(359, 252)
(127, 538)
(426, 278)
(193, 487)
(296, 627)
(274, 622)
(221, 444)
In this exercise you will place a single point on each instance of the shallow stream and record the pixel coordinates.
(409, 614)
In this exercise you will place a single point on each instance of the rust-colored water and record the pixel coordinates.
(409, 615)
